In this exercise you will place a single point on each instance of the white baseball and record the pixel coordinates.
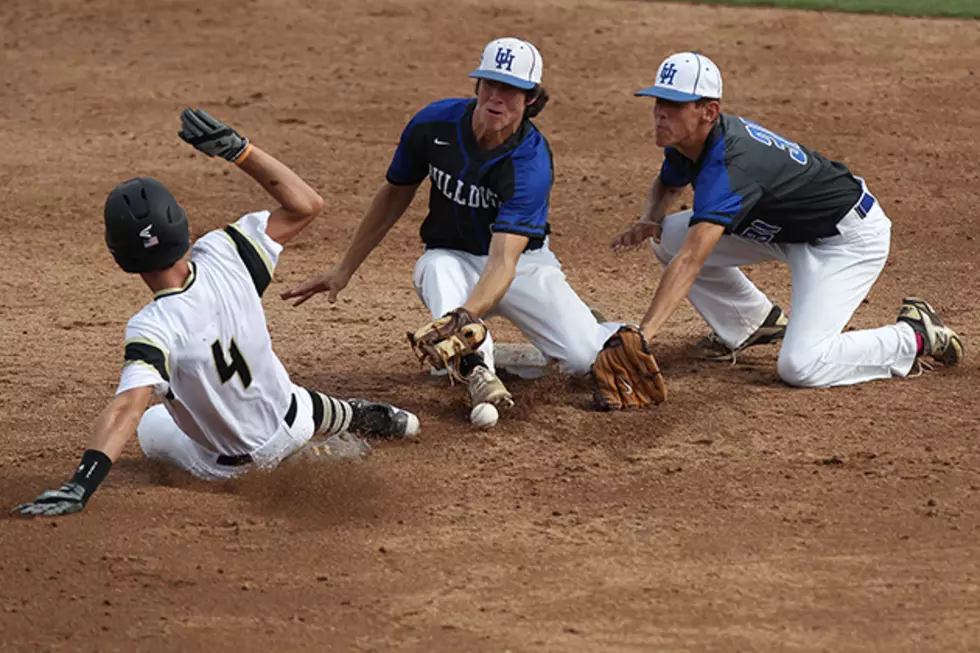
(484, 415)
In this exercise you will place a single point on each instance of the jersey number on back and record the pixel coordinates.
(772, 139)
(237, 365)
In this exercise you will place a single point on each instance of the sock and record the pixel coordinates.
(468, 362)
(920, 344)
(330, 415)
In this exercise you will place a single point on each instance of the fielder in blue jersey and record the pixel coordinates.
(486, 232)
(759, 196)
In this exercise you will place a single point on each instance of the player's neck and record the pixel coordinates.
(488, 139)
(692, 147)
(172, 278)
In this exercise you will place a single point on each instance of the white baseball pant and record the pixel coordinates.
(830, 278)
(161, 439)
(539, 302)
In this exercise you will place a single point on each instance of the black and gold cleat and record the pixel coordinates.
(773, 329)
(938, 340)
(381, 421)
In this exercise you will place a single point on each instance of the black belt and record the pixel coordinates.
(245, 459)
(864, 206)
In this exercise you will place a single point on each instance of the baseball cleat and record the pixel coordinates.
(382, 421)
(486, 388)
(938, 340)
(773, 329)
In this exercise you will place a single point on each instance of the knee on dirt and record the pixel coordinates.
(800, 368)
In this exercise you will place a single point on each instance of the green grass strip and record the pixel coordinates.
(943, 8)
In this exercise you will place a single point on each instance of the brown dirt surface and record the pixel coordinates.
(742, 515)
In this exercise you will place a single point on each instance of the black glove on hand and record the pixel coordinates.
(210, 135)
(67, 499)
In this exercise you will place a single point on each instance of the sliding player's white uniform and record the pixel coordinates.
(228, 404)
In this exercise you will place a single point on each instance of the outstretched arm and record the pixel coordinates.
(113, 429)
(683, 269)
(389, 204)
(117, 422)
(298, 202)
(505, 250)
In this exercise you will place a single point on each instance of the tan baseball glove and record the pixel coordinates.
(443, 343)
(626, 373)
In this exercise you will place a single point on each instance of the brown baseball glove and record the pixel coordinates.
(626, 373)
(443, 343)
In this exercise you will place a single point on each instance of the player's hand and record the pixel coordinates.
(211, 136)
(67, 499)
(636, 235)
(330, 282)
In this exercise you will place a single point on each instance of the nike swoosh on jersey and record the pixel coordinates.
(440, 142)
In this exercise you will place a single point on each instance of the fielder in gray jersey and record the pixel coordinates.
(758, 197)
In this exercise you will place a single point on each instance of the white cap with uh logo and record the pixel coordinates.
(686, 77)
(511, 61)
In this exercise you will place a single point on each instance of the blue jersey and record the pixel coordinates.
(759, 185)
(474, 193)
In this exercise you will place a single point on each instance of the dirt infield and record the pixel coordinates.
(742, 516)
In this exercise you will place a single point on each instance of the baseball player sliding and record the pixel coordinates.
(486, 232)
(202, 345)
(759, 197)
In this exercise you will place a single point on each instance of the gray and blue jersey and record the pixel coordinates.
(474, 193)
(761, 186)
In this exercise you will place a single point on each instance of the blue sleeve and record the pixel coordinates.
(672, 175)
(409, 166)
(526, 212)
(723, 194)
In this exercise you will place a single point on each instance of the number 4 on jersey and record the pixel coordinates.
(237, 366)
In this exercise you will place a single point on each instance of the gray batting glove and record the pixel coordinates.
(67, 499)
(210, 135)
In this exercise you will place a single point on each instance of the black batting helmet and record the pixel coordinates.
(145, 228)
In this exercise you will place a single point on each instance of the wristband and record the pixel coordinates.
(92, 471)
(240, 159)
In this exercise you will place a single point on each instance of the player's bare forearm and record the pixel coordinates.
(117, 422)
(505, 250)
(284, 185)
(680, 275)
(388, 205)
(673, 288)
(660, 197)
(298, 202)
(113, 428)
(489, 290)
